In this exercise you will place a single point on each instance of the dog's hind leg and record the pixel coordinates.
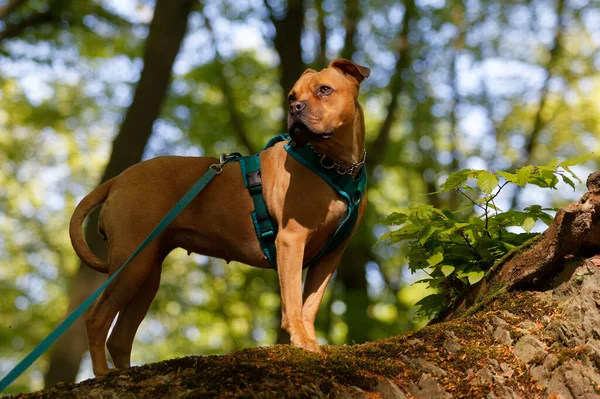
(121, 338)
(114, 298)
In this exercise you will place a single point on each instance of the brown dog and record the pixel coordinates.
(323, 109)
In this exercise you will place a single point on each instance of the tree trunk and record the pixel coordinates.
(351, 273)
(529, 331)
(539, 121)
(167, 30)
(350, 26)
(321, 58)
(352, 277)
(288, 44)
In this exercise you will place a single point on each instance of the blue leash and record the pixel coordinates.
(214, 170)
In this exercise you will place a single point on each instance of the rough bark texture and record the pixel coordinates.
(536, 335)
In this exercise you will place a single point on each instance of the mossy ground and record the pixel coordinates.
(283, 371)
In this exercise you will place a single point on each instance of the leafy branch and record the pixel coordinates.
(454, 252)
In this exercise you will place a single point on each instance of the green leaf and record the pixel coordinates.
(537, 212)
(544, 217)
(510, 177)
(396, 219)
(456, 179)
(447, 270)
(576, 161)
(552, 165)
(568, 181)
(475, 276)
(437, 257)
(528, 224)
(426, 233)
(487, 181)
(523, 175)
(572, 174)
(474, 173)
(550, 179)
(431, 304)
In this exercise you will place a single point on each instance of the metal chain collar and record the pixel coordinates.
(343, 169)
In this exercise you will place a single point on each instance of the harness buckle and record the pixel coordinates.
(262, 217)
(254, 179)
(267, 234)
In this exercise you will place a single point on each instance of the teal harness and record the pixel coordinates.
(348, 187)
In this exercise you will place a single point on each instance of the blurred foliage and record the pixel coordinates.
(483, 78)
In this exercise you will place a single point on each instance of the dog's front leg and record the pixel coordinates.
(317, 277)
(290, 250)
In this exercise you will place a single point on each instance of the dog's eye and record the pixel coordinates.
(325, 90)
(291, 98)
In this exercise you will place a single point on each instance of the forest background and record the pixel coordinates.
(88, 88)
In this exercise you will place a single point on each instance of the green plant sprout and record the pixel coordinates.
(455, 252)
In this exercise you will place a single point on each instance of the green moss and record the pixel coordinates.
(283, 371)
(527, 304)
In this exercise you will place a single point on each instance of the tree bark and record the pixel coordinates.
(350, 23)
(321, 58)
(166, 33)
(288, 44)
(531, 333)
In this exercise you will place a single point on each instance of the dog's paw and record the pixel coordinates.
(312, 346)
(307, 345)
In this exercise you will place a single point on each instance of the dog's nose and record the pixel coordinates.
(296, 107)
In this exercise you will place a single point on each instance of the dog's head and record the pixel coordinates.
(321, 102)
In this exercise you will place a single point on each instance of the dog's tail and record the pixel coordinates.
(88, 204)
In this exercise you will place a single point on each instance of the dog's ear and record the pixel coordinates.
(358, 72)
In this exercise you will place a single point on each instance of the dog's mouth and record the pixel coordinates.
(301, 134)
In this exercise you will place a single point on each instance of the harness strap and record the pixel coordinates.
(265, 227)
(349, 188)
